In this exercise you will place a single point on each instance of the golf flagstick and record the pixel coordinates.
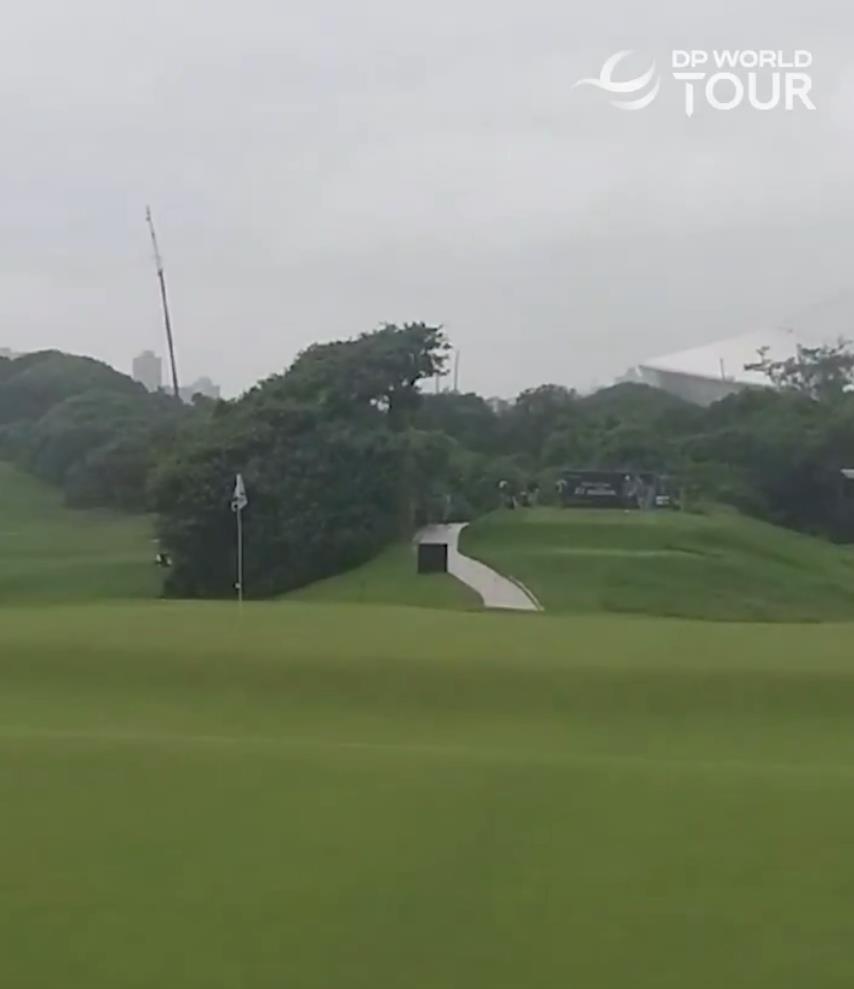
(239, 501)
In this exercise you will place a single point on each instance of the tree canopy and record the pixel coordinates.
(824, 373)
(352, 447)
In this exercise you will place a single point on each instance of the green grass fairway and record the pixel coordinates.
(51, 553)
(391, 578)
(720, 566)
(356, 797)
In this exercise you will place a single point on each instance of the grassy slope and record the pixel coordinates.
(50, 553)
(366, 797)
(721, 566)
(391, 579)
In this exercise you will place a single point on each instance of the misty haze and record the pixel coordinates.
(318, 170)
(426, 495)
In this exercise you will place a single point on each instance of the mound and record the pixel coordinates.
(52, 553)
(719, 566)
(391, 578)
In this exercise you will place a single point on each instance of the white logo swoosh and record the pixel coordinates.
(606, 82)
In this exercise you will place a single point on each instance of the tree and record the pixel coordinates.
(117, 472)
(467, 418)
(537, 413)
(822, 373)
(760, 450)
(377, 371)
(374, 377)
(347, 450)
(81, 425)
(35, 383)
(333, 462)
(6, 368)
(321, 500)
(71, 429)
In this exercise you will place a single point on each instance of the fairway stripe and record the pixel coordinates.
(571, 760)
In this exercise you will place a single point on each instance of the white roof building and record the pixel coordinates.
(708, 373)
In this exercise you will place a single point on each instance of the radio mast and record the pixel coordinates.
(161, 277)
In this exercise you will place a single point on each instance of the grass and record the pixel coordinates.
(363, 797)
(720, 566)
(50, 553)
(391, 578)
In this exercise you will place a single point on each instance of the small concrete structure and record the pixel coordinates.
(495, 590)
(432, 557)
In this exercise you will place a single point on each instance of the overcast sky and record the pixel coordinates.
(318, 168)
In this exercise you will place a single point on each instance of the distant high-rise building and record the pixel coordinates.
(201, 386)
(498, 405)
(148, 370)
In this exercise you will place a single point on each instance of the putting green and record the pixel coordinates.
(316, 796)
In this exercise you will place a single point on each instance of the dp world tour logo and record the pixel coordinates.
(648, 84)
(721, 79)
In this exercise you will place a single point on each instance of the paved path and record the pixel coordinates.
(495, 590)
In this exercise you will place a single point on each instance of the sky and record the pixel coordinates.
(317, 169)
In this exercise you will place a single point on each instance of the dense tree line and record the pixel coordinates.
(351, 447)
(333, 461)
(80, 425)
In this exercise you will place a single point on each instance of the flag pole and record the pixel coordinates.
(239, 514)
(239, 501)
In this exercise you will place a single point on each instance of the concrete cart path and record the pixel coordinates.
(495, 590)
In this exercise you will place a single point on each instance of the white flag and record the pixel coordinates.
(239, 501)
